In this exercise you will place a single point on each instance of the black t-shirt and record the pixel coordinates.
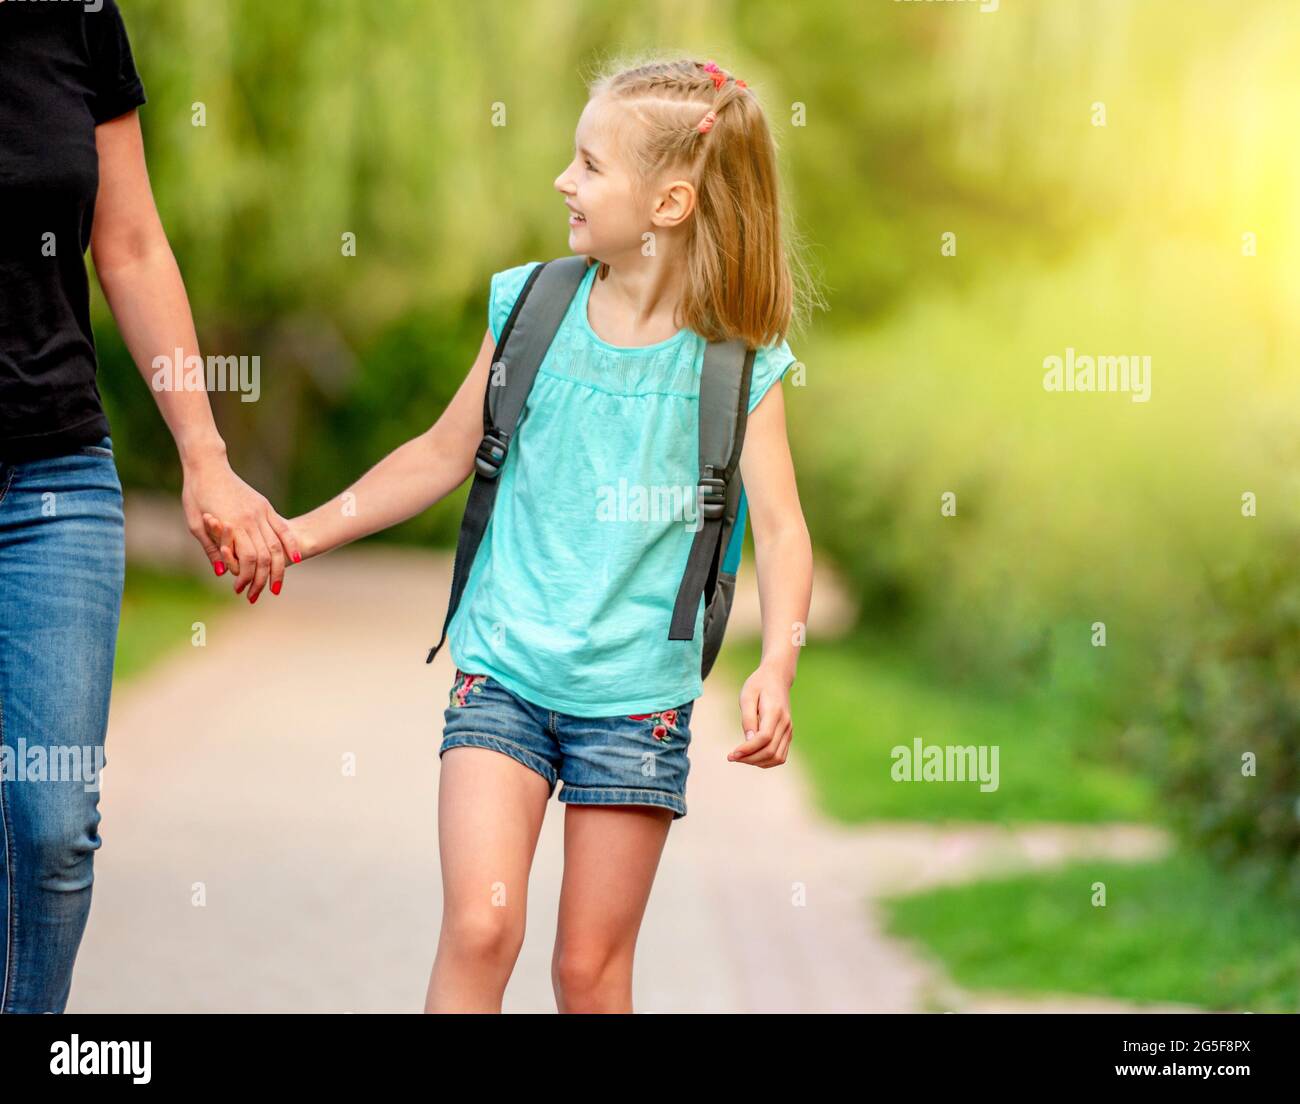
(64, 68)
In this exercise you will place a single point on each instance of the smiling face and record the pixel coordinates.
(607, 213)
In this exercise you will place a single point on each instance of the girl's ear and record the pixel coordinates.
(675, 203)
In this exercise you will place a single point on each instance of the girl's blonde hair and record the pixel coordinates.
(740, 267)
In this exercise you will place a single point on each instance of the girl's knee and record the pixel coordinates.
(591, 978)
(484, 934)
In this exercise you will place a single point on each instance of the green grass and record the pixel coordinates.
(158, 614)
(1177, 930)
(853, 702)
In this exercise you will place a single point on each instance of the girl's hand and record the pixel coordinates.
(308, 537)
(765, 714)
(262, 540)
(233, 546)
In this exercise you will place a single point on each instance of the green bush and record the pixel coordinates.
(1224, 733)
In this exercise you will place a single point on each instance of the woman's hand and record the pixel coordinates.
(765, 715)
(260, 541)
(224, 538)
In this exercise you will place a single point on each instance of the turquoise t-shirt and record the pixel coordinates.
(571, 594)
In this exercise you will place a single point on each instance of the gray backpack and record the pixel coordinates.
(724, 402)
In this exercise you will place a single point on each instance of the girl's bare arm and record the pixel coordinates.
(409, 479)
(783, 555)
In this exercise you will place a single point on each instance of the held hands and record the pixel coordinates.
(765, 715)
(236, 546)
(260, 539)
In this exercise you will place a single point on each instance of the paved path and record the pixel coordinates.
(320, 888)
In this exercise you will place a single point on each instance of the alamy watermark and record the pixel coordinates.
(88, 5)
(946, 763)
(52, 763)
(1100, 373)
(650, 502)
(217, 373)
(984, 5)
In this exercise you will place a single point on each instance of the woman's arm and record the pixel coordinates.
(409, 479)
(783, 554)
(143, 286)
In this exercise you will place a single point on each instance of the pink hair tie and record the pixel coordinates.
(706, 124)
(716, 74)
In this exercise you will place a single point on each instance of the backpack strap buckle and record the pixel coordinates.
(713, 495)
(491, 453)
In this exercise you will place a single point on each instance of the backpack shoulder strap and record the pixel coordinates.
(525, 338)
(724, 405)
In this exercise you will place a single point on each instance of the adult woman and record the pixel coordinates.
(72, 175)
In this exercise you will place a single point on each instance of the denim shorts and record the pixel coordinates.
(633, 760)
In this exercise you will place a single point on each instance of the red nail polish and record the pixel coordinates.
(251, 597)
(275, 587)
(297, 557)
(219, 568)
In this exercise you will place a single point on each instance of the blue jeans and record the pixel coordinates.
(633, 760)
(61, 572)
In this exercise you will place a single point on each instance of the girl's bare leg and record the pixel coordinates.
(611, 853)
(490, 812)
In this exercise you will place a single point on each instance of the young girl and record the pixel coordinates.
(564, 669)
